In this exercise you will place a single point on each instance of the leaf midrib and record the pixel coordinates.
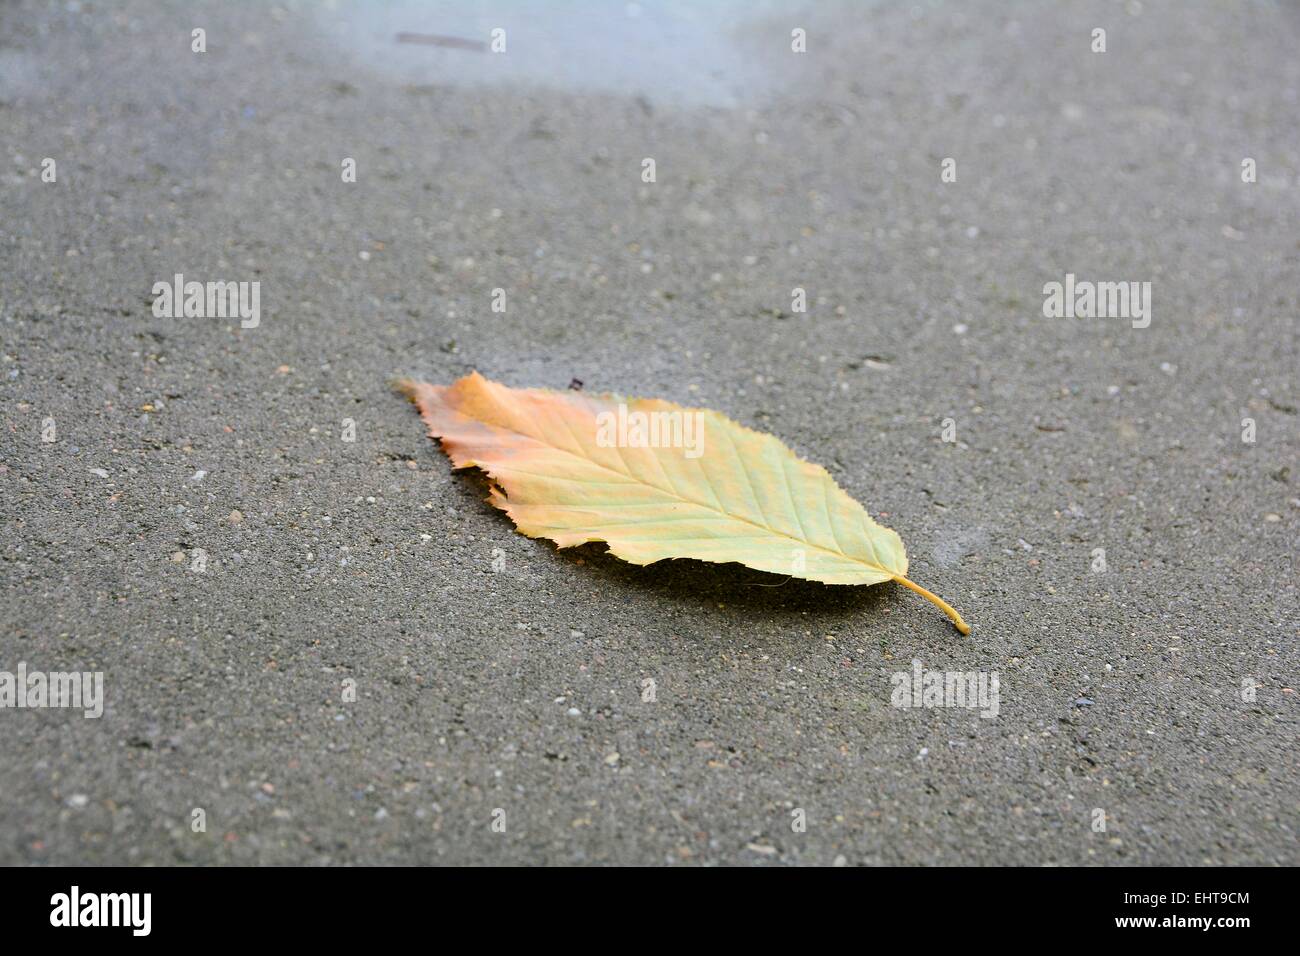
(677, 496)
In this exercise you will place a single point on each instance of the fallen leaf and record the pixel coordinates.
(654, 480)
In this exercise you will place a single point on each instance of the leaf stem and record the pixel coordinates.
(938, 601)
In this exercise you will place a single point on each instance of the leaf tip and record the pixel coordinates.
(405, 386)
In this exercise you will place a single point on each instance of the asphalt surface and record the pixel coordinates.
(1159, 692)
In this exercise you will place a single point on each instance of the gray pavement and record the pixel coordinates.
(492, 672)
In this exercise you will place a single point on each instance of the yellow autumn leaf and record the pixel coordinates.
(654, 480)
